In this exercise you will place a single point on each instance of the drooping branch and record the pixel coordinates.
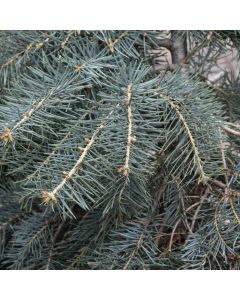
(7, 134)
(46, 161)
(196, 153)
(50, 198)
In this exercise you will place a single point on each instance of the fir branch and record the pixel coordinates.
(28, 241)
(50, 254)
(134, 251)
(197, 211)
(236, 215)
(48, 158)
(197, 159)
(10, 220)
(87, 126)
(125, 170)
(28, 114)
(9, 215)
(50, 198)
(216, 222)
(37, 44)
(6, 136)
(31, 42)
(111, 44)
(63, 44)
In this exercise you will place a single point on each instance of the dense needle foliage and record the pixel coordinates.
(106, 164)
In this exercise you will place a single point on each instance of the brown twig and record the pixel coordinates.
(172, 235)
(231, 131)
(198, 210)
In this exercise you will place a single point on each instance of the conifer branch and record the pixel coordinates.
(50, 198)
(226, 192)
(111, 44)
(125, 170)
(216, 221)
(29, 113)
(192, 140)
(171, 204)
(45, 162)
(236, 215)
(8, 134)
(134, 251)
(38, 233)
(195, 216)
(10, 220)
(63, 44)
(37, 44)
(197, 159)
(50, 254)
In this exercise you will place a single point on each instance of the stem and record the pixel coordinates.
(231, 131)
(125, 170)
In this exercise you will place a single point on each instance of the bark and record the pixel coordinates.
(179, 48)
(177, 45)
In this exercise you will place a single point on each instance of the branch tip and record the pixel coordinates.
(49, 198)
(6, 135)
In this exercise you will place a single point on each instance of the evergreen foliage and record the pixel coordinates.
(107, 165)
